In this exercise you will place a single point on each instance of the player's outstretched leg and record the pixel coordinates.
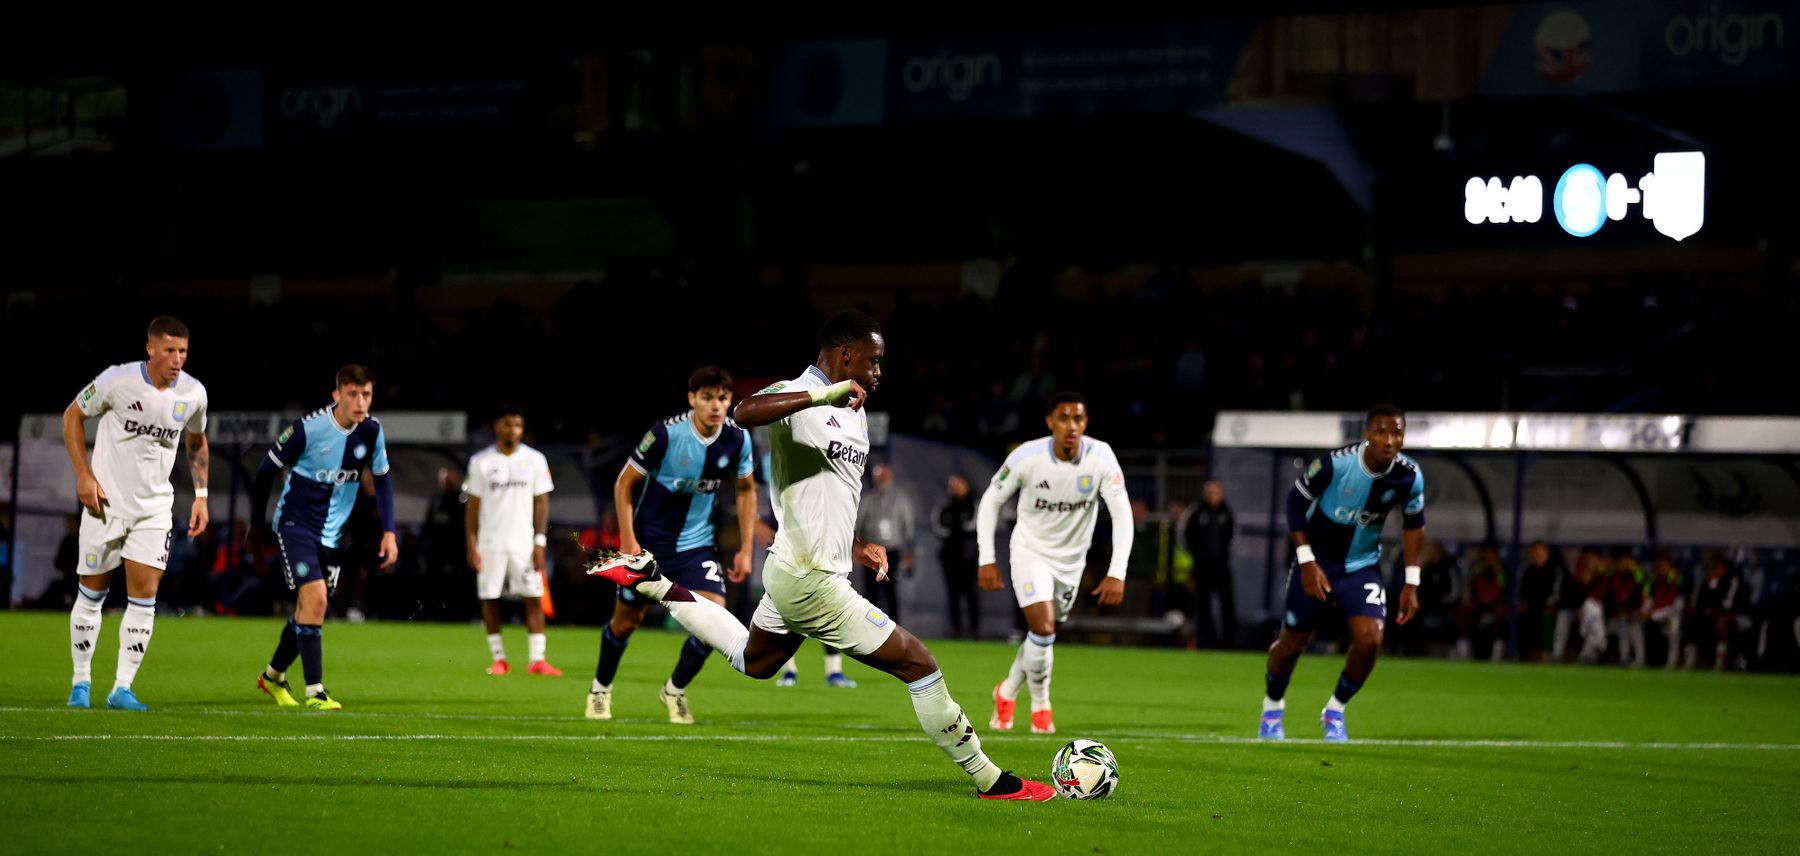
(712, 623)
(906, 658)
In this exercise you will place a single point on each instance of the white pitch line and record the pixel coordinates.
(840, 738)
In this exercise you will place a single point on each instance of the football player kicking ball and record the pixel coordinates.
(819, 441)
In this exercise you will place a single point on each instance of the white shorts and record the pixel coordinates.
(507, 571)
(1036, 580)
(144, 540)
(820, 605)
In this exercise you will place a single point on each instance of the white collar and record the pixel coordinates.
(694, 426)
(1362, 447)
(331, 417)
(816, 372)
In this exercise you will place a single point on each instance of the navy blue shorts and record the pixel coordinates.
(695, 570)
(1356, 594)
(305, 560)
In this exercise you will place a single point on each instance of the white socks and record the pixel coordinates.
(792, 667)
(495, 647)
(834, 664)
(1039, 654)
(1009, 688)
(1333, 704)
(670, 688)
(134, 638)
(84, 630)
(941, 718)
(1270, 704)
(598, 687)
(536, 644)
(714, 624)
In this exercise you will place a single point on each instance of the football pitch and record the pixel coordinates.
(430, 754)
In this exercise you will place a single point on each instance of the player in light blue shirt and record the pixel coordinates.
(324, 454)
(1335, 513)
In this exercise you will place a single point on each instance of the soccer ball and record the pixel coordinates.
(1085, 770)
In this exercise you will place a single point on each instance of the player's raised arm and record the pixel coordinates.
(773, 405)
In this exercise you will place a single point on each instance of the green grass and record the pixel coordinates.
(474, 763)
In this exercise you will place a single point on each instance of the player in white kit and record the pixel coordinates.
(819, 444)
(143, 407)
(1060, 480)
(508, 518)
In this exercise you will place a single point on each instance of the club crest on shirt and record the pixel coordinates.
(1388, 496)
(1085, 484)
(181, 411)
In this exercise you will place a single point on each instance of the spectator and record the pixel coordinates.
(953, 521)
(1206, 531)
(1543, 570)
(1716, 607)
(1440, 601)
(1666, 604)
(1566, 598)
(1626, 607)
(887, 518)
(444, 593)
(1487, 602)
(1596, 579)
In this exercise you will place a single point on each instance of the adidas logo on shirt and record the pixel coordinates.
(1043, 485)
(832, 421)
(136, 406)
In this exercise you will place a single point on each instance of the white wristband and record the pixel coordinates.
(199, 493)
(540, 540)
(1412, 575)
(1303, 554)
